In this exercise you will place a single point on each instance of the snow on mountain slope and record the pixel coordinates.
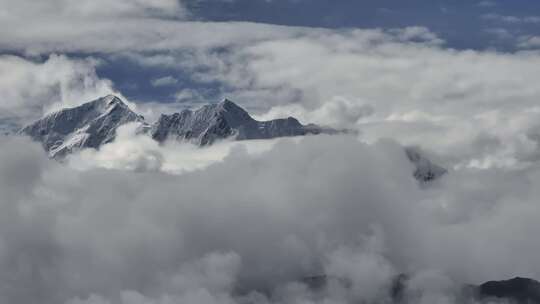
(87, 126)
(95, 123)
(223, 120)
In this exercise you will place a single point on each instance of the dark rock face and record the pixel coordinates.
(518, 290)
(223, 120)
(94, 124)
(425, 171)
(87, 126)
(513, 291)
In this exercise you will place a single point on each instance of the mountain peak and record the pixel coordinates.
(89, 125)
(94, 123)
(112, 99)
(231, 107)
(227, 101)
(223, 120)
(109, 101)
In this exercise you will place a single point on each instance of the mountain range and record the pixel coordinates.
(95, 123)
(90, 125)
(226, 119)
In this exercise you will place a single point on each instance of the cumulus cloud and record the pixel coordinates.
(461, 104)
(243, 222)
(529, 42)
(139, 152)
(387, 83)
(338, 112)
(31, 89)
(47, 30)
(241, 229)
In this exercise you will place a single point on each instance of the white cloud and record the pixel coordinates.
(138, 152)
(98, 9)
(529, 42)
(254, 222)
(367, 80)
(238, 221)
(362, 78)
(511, 19)
(68, 33)
(164, 81)
(500, 33)
(487, 3)
(30, 89)
(392, 79)
(338, 112)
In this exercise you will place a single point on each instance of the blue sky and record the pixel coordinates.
(456, 79)
(184, 52)
(462, 24)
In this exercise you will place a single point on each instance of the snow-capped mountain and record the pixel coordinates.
(223, 120)
(87, 126)
(94, 124)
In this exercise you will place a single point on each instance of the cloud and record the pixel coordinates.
(401, 84)
(138, 152)
(338, 112)
(487, 3)
(66, 32)
(246, 226)
(500, 33)
(32, 88)
(164, 81)
(99, 9)
(460, 104)
(239, 222)
(417, 33)
(150, 229)
(511, 19)
(529, 42)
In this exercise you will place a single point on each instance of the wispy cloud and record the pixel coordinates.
(511, 19)
(164, 81)
(487, 3)
(529, 42)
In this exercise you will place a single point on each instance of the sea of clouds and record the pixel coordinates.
(243, 222)
(244, 229)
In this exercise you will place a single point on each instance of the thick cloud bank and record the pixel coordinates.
(237, 223)
(240, 230)
(139, 152)
(30, 89)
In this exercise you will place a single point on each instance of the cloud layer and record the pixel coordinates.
(139, 222)
(31, 89)
(242, 228)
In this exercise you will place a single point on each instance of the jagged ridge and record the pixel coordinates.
(94, 124)
(225, 119)
(87, 126)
